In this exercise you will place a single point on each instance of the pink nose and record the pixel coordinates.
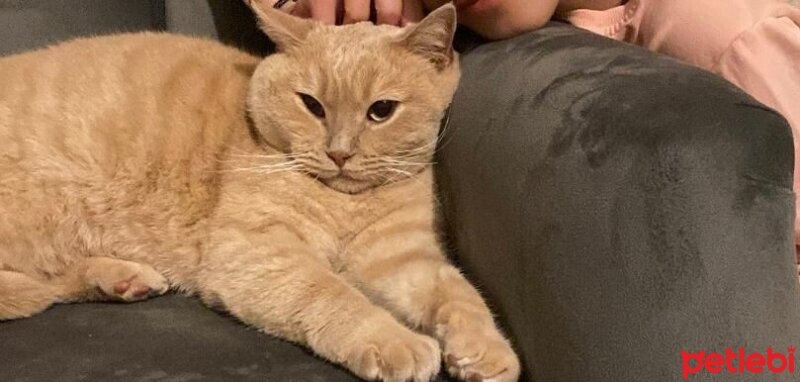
(339, 157)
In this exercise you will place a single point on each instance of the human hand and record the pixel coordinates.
(493, 19)
(391, 12)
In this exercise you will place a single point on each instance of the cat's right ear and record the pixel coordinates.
(432, 38)
(285, 30)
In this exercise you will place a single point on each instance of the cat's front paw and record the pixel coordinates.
(125, 280)
(473, 356)
(395, 353)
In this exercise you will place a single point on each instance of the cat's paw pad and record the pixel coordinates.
(481, 358)
(136, 282)
(134, 290)
(400, 356)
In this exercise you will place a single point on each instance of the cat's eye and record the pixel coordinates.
(313, 106)
(382, 110)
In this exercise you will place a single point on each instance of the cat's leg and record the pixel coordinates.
(90, 279)
(23, 296)
(400, 264)
(273, 282)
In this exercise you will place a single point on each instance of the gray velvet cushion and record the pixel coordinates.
(167, 339)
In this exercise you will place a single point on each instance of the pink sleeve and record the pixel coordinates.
(765, 62)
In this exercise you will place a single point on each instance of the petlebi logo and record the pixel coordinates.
(738, 361)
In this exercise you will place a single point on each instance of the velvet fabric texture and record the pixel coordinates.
(615, 207)
(619, 207)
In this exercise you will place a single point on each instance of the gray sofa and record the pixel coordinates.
(615, 207)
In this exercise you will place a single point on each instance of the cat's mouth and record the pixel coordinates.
(347, 182)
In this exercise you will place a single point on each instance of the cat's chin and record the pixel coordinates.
(347, 184)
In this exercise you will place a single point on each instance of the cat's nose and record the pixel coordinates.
(339, 156)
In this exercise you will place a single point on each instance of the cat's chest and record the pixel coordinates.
(338, 218)
(326, 220)
(335, 226)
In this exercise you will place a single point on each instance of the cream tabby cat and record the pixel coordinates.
(293, 191)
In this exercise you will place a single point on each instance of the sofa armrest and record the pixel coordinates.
(616, 207)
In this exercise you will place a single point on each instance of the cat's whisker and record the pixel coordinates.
(272, 163)
(377, 164)
(442, 139)
(410, 169)
(408, 163)
(388, 179)
(310, 160)
(395, 174)
(290, 156)
(266, 169)
(440, 142)
(418, 150)
(277, 164)
(260, 171)
(401, 172)
(275, 171)
(394, 159)
(278, 167)
(262, 156)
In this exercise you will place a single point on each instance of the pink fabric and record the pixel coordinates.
(754, 44)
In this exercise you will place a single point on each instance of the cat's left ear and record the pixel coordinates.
(432, 38)
(285, 30)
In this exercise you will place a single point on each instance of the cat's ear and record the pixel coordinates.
(285, 30)
(432, 37)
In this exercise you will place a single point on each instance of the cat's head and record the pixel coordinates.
(355, 106)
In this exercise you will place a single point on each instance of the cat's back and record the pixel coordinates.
(119, 94)
(122, 129)
(132, 53)
(146, 59)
